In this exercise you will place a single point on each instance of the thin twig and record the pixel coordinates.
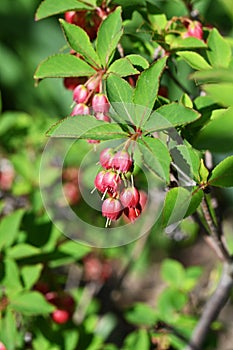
(215, 232)
(212, 309)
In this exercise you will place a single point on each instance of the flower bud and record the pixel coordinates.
(99, 181)
(94, 84)
(111, 181)
(133, 213)
(80, 94)
(106, 157)
(111, 208)
(102, 116)
(2, 346)
(129, 197)
(80, 109)
(122, 161)
(100, 103)
(60, 316)
(195, 30)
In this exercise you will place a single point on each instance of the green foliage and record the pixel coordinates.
(146, 91)
(63, 65)
(221, 175)
(31, 303)
(79, 41)
(156, 156)
(107, 40)
(170, 101)
(86, 127)
(49, 8)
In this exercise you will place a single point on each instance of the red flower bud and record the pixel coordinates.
(60, 316)
(94, 84)
(80, 94)
(71, 82)
(71, 192)
(102, 116)
(133, 213)
(76, 17)
(111, 208)
(111, 181)
(122, 161)
(7, 175)
(69, 16)
(2, 346)
(100, 103)
(129, 197)
(99, 181)
(80, 109)
(194, 30)
(106, 157)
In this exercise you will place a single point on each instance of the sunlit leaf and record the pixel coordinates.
(61, 66)
(50, 7)
(80, 42)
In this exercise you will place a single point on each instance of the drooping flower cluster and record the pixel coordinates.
(88, 94)
(87, 99)
(123, 196)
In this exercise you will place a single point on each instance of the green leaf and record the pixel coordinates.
(31, 303)
(118, 90)
(186, 101)
(122, 67)
(80, 42)
(14, 120)
(195, 60)
(137, 340)
(86, 127)
(203, 171)
(8, 330)
(173, 272)
(222, 174)
(9, 228)
(71, 337)
(219, 53)
(180, 203)
(187, 159)
(228, 5)
(141, 315)
(50, 7)
(138, 61)
(214, 76)
(156, 156)
(120, 95)
(146, 91)
(11, 279)
(217, 134)
(22, 250)
(31, 274)
(170, 301)
(158, 22)
(221, 93)
(179, 43)
(61, 66)
(192, 275)
(74, 249)
(109, 34)
(170, 115)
